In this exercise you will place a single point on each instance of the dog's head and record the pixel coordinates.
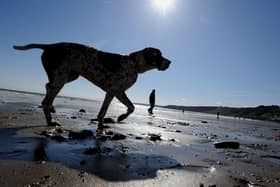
(150, 58)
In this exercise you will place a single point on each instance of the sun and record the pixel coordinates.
(163, 6)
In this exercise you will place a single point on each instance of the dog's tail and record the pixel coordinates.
(31, 46)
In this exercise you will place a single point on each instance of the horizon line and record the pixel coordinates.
(137, 103)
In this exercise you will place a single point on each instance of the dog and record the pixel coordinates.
(113, 73)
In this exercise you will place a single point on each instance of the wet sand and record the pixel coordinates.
(168, 148)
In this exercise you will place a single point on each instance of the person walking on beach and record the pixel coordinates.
(152, 99)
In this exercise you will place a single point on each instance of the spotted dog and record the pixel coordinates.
(113, 73)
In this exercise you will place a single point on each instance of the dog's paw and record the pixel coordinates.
(122, 117)
(54, 124)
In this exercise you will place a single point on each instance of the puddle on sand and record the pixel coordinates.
(107, 160)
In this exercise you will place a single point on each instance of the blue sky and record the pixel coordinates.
(223, 52)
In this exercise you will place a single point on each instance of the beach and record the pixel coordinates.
(168, 148)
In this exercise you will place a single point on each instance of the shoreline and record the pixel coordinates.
(235, 112)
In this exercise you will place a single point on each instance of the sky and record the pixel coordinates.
(223, 53)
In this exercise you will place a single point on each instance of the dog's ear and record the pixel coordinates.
(152, 55)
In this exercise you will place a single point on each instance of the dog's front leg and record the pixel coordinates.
(103, 110)
(130, 107)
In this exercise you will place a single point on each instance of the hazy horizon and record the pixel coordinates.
(135, 102)
(223, 53)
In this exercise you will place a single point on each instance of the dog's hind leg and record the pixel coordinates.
(52, 89)
(51, 93)
(71, 76)
(104, 108)
(130, 107)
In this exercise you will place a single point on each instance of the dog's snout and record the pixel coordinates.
(168, 62)
(164, 64)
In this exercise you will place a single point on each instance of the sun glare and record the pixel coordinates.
(163, 6)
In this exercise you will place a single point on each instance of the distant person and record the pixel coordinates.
(183, 111)
(218, 115)
(152, 99)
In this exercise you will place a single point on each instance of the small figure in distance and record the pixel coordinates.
(152, 99)
(218, 115)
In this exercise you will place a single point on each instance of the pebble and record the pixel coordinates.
(112, 136)
(82, 110)
(183, 123)
(155, 137)
(227, 145)
(47, 177)
(118, 136)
